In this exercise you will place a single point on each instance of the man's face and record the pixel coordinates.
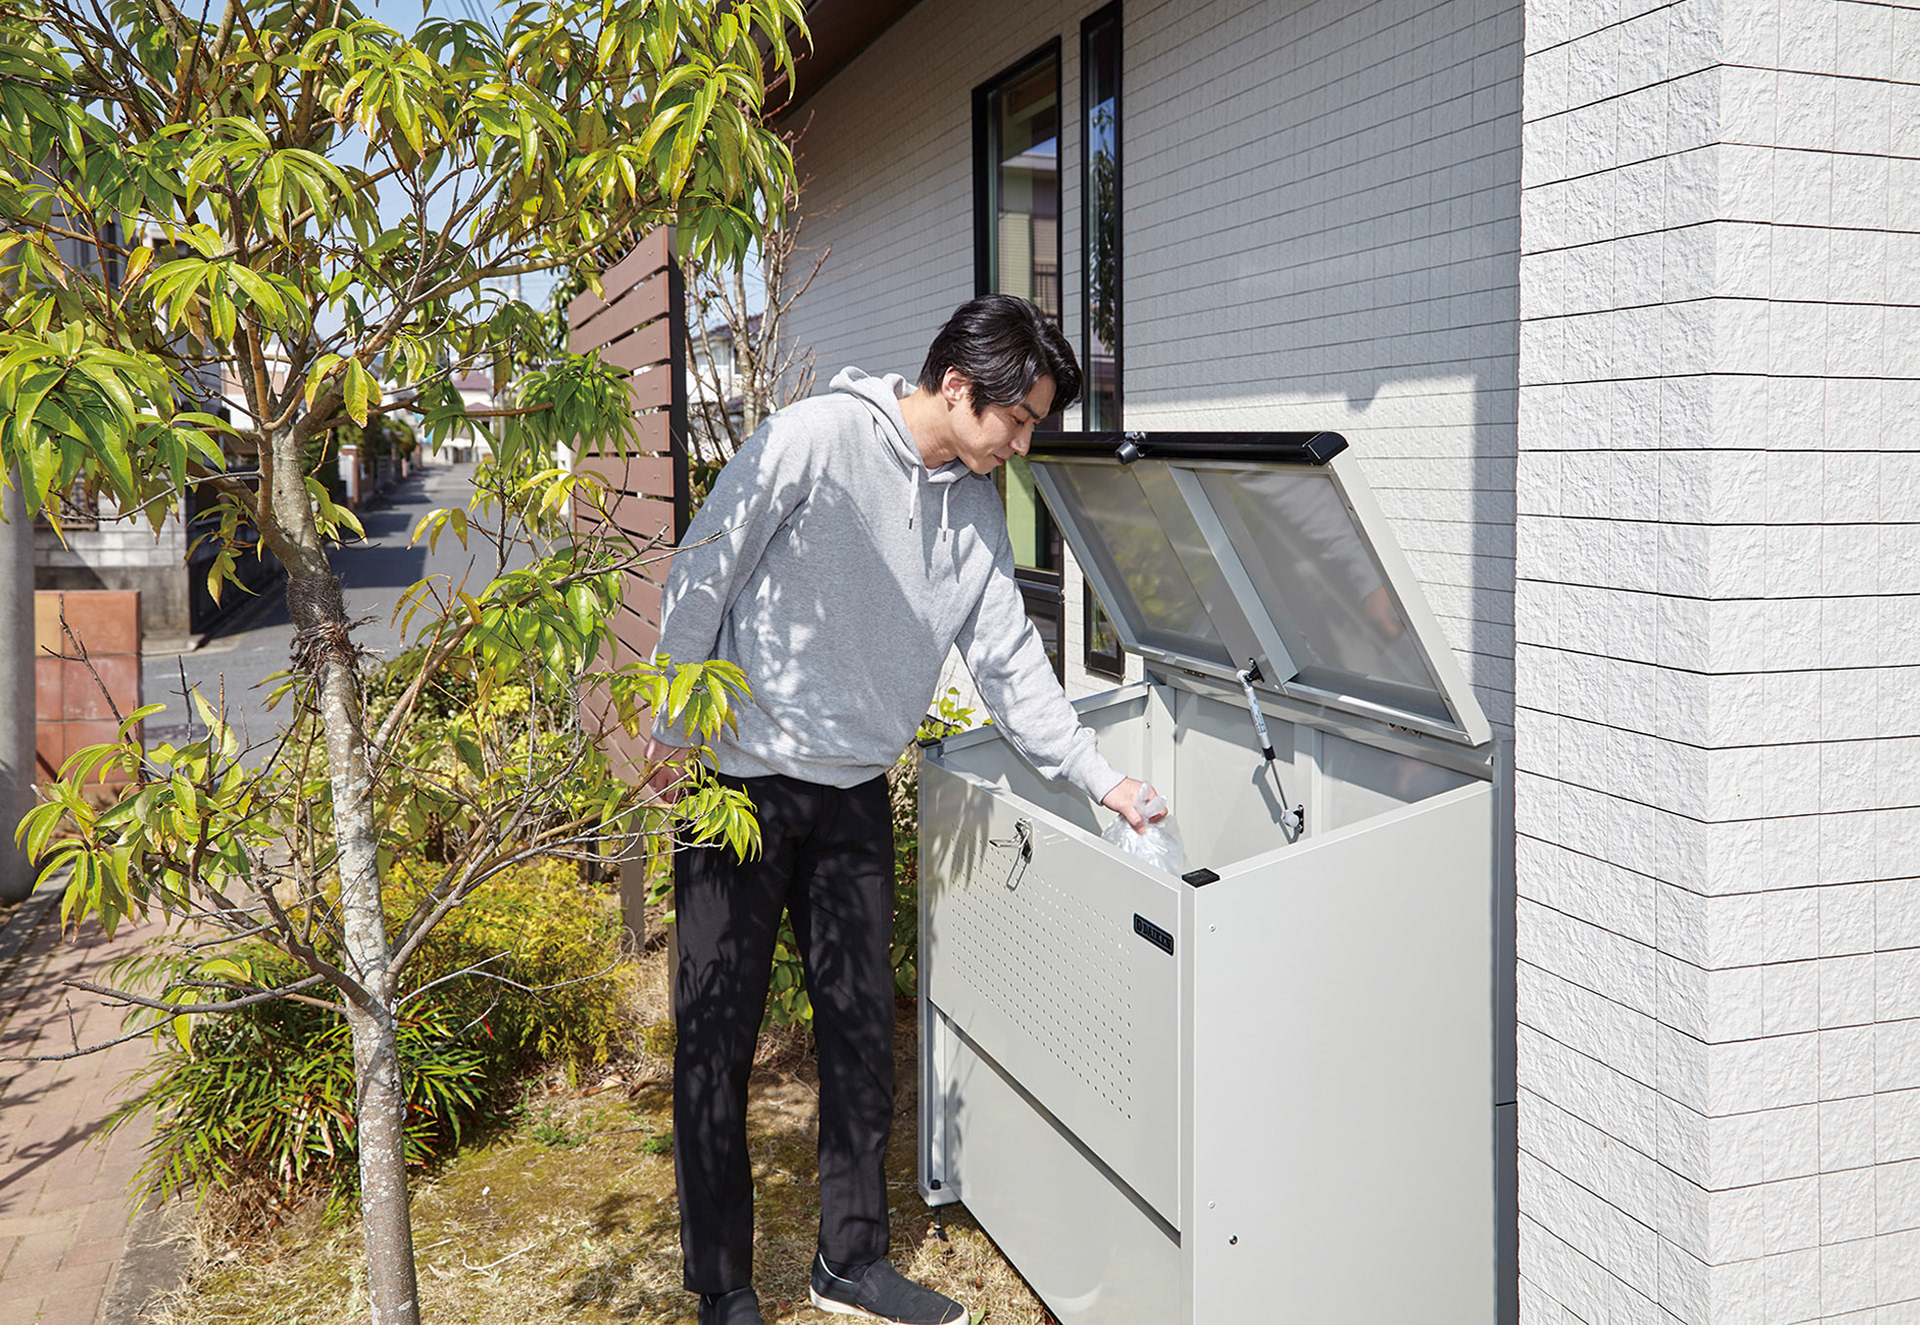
(999, 432)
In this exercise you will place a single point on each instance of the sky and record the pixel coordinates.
(405, 16)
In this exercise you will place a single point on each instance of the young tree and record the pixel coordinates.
(744, 364)
(189, 197)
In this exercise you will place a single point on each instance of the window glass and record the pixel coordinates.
(1023, 127)
(1019, 237)
(1100, 261)
(1100, 205)
(1324, 587)
(1147, 550)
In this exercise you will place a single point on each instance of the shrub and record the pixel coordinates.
(262, 1107)
(259, 1102)
(539, 928)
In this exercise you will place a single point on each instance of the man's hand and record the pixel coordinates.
(1121, 801)
(669, 769)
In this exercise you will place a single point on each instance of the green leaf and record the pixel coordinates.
(357, 388)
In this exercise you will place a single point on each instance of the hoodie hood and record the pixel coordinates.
(882, 397)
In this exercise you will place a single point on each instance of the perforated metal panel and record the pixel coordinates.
(1051, 964)
(1049, 978)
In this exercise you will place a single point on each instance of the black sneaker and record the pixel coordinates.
(740, 1307)
(882, 1292)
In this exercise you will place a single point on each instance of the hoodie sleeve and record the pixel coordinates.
(754, 494)
(1011, 671)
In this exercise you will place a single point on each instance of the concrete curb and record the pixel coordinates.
(159, 1249)
(24, 923)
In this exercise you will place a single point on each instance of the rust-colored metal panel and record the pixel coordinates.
(649, 345)
(644, 303)
(74, 702)
(648, 256)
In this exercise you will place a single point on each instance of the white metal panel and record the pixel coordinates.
(1095, 1255)
(1342, 1143)
(1039, 963)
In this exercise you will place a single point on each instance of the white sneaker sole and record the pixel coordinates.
(827, 1304)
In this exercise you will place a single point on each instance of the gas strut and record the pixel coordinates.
(1247, 677)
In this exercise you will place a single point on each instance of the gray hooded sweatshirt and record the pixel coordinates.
(837, 572)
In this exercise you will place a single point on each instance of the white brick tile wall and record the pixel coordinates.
(1715, 602)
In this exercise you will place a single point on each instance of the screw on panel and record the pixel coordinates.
(1234, 1241)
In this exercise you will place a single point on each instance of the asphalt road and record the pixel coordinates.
(257, 640)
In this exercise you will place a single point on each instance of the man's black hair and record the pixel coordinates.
(1003, 345)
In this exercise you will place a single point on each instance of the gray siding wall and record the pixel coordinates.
(1321, 231)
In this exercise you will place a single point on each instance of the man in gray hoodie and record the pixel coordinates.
(854, 541)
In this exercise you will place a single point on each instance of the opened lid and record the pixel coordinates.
(1227, 553)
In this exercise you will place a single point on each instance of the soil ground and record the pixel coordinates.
(568, 1213)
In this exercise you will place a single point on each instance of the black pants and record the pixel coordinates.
(827, 858)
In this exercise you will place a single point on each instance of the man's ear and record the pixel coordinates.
(956, 388)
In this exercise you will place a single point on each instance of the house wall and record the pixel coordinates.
(123, 554)
(1320, 209)
(1717, 602)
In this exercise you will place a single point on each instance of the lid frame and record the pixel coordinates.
(1322, 450)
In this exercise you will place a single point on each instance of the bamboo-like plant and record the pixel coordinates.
(192, 198)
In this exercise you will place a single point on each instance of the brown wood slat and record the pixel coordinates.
(649, 437)
(646, 518)
(647, 257)
(644, 348)
(639, 608)
(651, 475)
(643, 303)
(652, 387)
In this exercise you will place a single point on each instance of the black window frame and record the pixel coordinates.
(1102, 22)
(1043, 591)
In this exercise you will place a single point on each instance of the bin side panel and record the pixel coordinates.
(1053, 978)
(1091, 1252)
(1342, 1054)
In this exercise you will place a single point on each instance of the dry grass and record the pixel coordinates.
(570, 1216)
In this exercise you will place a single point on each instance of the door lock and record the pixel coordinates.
(1022, 844)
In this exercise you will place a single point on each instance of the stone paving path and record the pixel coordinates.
(65, 1204)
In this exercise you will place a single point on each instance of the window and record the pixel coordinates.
(1017, 121)
(1100, 215)
(1100, 260)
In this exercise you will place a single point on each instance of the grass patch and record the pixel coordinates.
(568, 1214)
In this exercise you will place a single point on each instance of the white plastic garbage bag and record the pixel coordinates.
(1160, 845)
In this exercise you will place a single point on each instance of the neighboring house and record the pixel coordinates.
(473, 441)
(1619, 308)
(97, 548)
(713, 387)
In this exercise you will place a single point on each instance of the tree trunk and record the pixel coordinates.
(323, 646)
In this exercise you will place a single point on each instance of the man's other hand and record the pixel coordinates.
(1121, 801)
(669, 764)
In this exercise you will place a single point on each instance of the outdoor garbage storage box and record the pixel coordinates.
(1263, 1091)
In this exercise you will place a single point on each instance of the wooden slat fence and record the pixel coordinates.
(639, 326)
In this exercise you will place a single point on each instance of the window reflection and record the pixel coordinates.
(1100, 193)
(1024, 124)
